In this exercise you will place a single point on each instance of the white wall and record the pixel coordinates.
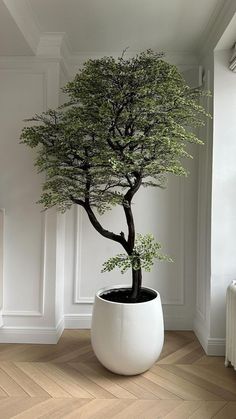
(30, 237)
(223, 246)
(216, 264)
(203, 265)
(52, 262)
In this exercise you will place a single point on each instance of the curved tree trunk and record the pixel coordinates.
(136, 284)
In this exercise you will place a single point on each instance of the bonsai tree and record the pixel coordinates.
(125, 125)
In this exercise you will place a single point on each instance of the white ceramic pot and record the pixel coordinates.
(127, 338)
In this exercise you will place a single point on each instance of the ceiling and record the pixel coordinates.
(112, 25)
(12, 42)
(97, 26)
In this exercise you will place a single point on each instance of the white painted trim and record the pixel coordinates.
(60, 328)
(200, 331)
(83, 321)
(204, 215)
(178, 323)
(51, 335)
(232, 62)
(78, 298)
(182, 269)
(32, 69)
(55, 46)
(21, 313)
(212, 346)
(217, 25)
(23, 16)
(216, 347)
(40, 335)
(77, 321)
(50, 44)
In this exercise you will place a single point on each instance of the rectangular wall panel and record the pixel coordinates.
(22, 95)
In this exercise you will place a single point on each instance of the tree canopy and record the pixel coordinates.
(126, 124)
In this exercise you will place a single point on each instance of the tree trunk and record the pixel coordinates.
(136, 284)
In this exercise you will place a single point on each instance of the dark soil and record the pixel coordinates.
(123, 295)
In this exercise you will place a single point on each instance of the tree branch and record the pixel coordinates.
(105, 233)
(128, 211)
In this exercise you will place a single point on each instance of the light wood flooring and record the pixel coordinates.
(66, 381)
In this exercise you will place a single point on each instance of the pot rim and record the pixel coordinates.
(101, 290)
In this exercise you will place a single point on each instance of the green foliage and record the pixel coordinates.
(143, 255)
(127, 123)
(124, 119)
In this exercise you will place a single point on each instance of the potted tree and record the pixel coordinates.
(124, 126)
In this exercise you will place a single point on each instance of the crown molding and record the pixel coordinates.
(232, 62)
(216, 27)
(55, 46)
(24, 19)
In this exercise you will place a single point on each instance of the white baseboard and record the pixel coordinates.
(51, 335)
(178, 323)
(83, 321)
(77, 321)
(216, 347)
(200, 331)
(42, 335)
(212, 346)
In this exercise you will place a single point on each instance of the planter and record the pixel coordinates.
(127, 338)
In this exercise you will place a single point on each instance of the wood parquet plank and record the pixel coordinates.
(52, 408)
(181, 388)
(92, 388)
(67, 381)
(13, 406)
(49, 385)
(147, 409)
(207, 410)
(212, 377)
(228, 411)
(203, 383)
(20, 378)
(184, 410)
(104, 382)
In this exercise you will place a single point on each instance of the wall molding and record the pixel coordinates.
(38, 335)
(204, 214)
(212, 346)
(12, 65)
(83, 321)
(77, 274)
(23, 16)
(41, 302)
(77, 321)
(216, 347)
(200, 330)
(178, 322)
(51, 335)
(180, 301)
(49, 71)
(217, 24)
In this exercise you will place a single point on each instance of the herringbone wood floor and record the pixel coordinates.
(66, 381)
